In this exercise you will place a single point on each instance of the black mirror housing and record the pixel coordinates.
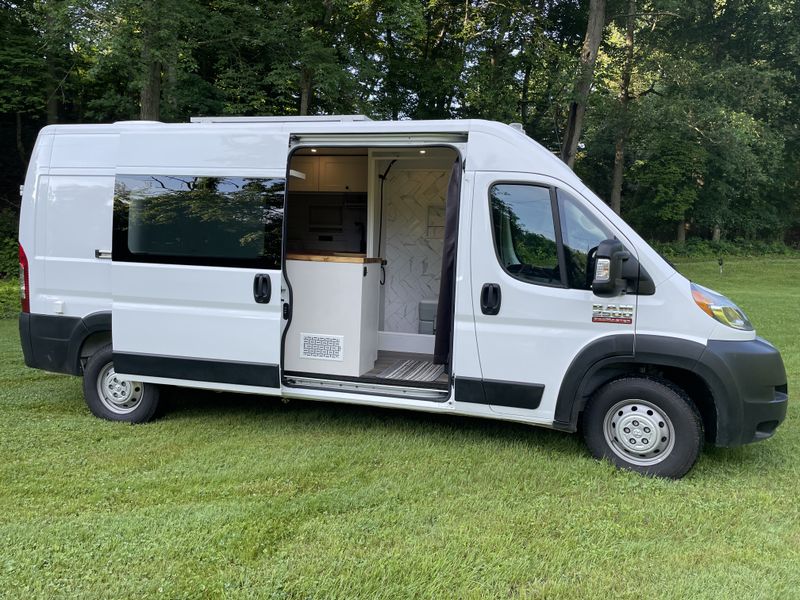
(609, 259)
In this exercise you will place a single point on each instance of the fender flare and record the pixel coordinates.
(97, 322)
(623, 351)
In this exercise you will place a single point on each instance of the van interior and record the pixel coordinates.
(364, 253)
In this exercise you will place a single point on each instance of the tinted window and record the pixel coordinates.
(216, 221)
(524, 232)
(581, 232)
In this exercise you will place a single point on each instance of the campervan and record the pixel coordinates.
(453, 267)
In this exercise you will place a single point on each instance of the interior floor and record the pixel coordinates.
(390, 367)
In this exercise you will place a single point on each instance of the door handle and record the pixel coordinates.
(490, 298)
(262, 288)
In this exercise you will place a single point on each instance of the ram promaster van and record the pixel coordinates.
(453, 267)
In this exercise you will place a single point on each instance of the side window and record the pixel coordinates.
(524, 232)
(581, 232)
(214, 221)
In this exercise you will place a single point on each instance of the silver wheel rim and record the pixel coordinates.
(119, 396)
(639, 432)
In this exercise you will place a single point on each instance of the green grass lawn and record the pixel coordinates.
(239, 496)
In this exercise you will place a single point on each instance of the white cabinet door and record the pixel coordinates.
(342, 173)
(308, 166)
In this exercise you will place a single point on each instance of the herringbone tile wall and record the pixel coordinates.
(414, 231)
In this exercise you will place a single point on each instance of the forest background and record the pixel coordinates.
(682, 114)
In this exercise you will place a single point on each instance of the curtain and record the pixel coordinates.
(444, 310)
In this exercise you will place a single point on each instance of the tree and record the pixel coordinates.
(583, 83)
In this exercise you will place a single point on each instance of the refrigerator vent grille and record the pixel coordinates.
(322, 347)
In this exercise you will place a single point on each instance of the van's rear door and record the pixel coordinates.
(196, 257)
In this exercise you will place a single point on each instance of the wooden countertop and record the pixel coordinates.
(334, 257)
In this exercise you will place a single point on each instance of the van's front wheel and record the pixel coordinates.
(644, 425)
(115, 399)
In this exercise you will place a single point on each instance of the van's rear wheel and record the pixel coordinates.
(645, 425)
(115, 399)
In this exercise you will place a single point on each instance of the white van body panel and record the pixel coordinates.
(465, 352)
(31, 220)
(72, 194)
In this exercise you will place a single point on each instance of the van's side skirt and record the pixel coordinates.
(217, 371)
(499, 393)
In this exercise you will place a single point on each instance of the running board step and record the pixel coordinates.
(339, 385)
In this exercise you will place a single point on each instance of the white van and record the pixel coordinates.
(446, 266)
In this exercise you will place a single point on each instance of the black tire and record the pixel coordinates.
(130, 402)
(623, 413)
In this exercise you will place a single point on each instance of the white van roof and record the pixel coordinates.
(292, 119)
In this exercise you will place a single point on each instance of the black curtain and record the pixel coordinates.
(447, 287)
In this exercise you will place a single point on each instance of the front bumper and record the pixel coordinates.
(748, 382)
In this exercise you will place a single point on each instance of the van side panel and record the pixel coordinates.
(78, 222)
(31, 229)
(65, 216)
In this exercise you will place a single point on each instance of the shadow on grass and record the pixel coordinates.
(336, 418)
(344, 418)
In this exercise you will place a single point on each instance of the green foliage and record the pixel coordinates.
(9, 255)
(704, 249)
(9, 298)
(709, 118)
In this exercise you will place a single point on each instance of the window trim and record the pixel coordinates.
(562, 254)
(121, 253)
(556, 225)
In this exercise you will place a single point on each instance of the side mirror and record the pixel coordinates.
(608, 280)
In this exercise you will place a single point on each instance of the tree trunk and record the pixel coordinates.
(170, 89)
(624, 99)
(591, 44)
(23, 154)
(391, 85)
(150, 93)
(617, 173)
(150, 97)
(52, 93)
(52, 106)
(52, 72)
(523, 107)
(681, 231)
(305, 92)
(716, 233)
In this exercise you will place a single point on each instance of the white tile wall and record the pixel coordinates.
(414, 227)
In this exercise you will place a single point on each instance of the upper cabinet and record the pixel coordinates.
(308, 166)
(342, 173)
(330, 174)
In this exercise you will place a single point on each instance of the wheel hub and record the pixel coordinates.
(118, 395)
(639, 432)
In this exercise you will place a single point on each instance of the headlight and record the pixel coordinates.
(720, 308)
